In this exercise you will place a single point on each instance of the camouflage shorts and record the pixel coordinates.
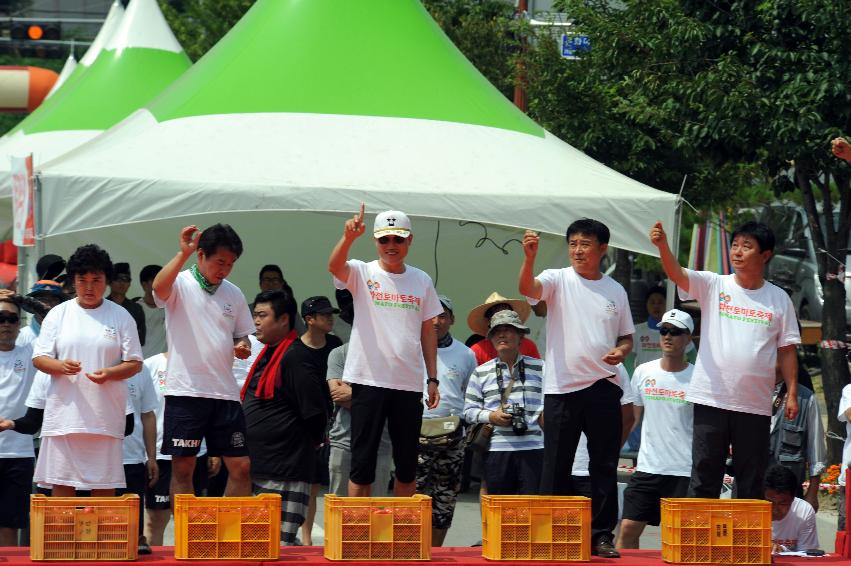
(439, 476)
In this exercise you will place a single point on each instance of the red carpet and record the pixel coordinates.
(308, 556)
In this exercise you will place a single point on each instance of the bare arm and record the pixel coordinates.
(341, 393)
(618, 354)
(53, 366)
(124, 370)
(428, 339)
(787, 358)
(149, 435)
(628, 417)
(528, 285)
(353, 229)
(164, 281)
(673, 269)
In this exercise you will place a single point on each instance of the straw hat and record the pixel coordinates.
(479, 324)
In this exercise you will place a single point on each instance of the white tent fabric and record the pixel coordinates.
(273, 175)
(67, 69)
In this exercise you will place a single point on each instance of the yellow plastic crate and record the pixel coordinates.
(378, 528)
(227, 528)
(520, 527)
(84, 528)
(716, 531)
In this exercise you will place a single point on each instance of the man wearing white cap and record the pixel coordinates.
(393, 344)
(664, 459)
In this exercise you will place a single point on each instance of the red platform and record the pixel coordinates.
(310, 555)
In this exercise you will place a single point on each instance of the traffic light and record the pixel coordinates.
(32, 38)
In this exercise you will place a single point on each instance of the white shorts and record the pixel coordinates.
(83, 461)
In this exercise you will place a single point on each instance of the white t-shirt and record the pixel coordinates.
(26, 336)
(740, 331)
(16, 378)
(582, 459)
(98, 338)
(797, 530)
(201, 329)
(241, 367)
(155, 340)
(143, 398)
(584, 320)
(844, 405)
(455, 364)
(37, 397)
(390, 308)
(666, 432)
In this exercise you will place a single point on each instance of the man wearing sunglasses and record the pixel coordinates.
(393, 344)
(17, 463)
(664, 458)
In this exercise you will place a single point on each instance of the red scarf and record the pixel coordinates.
(266, 383)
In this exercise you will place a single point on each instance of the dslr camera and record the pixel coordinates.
(518, 418)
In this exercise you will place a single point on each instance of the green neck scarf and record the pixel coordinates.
(202, 281)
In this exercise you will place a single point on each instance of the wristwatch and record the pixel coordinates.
(433, 380)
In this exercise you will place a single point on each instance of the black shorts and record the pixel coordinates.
(641, 499)
(159, 496)
(17, 474)
(188, 420)
(136, 478)
(403, 413)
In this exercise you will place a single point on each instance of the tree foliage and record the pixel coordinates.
(200, 24)
(754, 87)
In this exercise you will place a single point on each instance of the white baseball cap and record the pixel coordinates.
(392, 223)
(679, 319)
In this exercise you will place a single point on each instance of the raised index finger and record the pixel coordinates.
(360, 215)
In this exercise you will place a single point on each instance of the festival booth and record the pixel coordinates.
(306, 109)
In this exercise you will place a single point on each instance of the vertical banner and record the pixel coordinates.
(22, 201)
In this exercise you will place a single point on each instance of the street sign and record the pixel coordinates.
(572, 45)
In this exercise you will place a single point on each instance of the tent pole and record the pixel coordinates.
(671, 289)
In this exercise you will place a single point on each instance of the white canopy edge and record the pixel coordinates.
(144, 170)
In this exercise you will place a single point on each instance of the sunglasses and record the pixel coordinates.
(396, 240)
(9, 318)
(671, 331)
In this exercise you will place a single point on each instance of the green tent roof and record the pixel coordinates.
(356, 57)
(122, 79)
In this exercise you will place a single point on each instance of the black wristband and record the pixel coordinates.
(433, 380)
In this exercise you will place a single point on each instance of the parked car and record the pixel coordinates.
(795, 266)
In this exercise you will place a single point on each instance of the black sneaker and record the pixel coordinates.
(144, 548)
(604, 548)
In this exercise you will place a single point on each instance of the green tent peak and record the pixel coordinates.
(355, 57)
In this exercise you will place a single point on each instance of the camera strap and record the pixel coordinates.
(506, 393)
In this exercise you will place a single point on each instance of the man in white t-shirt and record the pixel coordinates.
(664, 459)
(393, 344)
(793, 520)
(17, 458)
(155, 342)
(589, 332)
(207, 324)
(747, 327)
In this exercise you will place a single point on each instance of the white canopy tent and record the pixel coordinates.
(414, 127)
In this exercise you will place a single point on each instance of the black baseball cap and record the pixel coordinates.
(318, 304)
(49, 266)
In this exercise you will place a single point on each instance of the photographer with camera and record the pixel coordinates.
(505, 394)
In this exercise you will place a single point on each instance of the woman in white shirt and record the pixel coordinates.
(89, 347)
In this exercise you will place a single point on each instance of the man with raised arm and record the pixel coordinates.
(393, 344)
(747, 326)
(207, 323)
(589, 332)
